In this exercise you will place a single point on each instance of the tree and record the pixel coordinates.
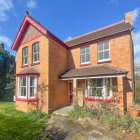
(7, 69)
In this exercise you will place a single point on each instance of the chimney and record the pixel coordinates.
(128, 17)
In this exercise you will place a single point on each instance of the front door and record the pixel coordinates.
(70, 90)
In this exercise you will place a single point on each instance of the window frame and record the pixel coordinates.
(35, 53)
(87, 62)
(104, 89)
(108, 59)
(28, 96)
(24, 56)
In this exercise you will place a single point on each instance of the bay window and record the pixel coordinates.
(27, 87)
(100, 88)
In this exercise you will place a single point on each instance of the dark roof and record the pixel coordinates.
(29, 70)
(103, 32)
(98, 70)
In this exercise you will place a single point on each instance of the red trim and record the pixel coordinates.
(24, 66)
(35, 63)
(100, 39)
(37, 74)
(98, 100)
(31, 39)
(109, 61)
(27, 100)
(81, 65)
(28, 20)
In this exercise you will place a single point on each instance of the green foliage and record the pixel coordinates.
(17, 125)
(7, 69)
(126, 122)
(137, 92)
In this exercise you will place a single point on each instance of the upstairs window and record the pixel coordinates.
(103, 51)
(36, 52)
(25, 56)
(85, 55)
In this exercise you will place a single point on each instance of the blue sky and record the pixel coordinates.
(67, 18)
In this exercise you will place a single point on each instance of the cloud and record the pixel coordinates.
(137, 45)
(6, 40)
(31, 4)
(68, 38)
(5, 6)
(136, 13)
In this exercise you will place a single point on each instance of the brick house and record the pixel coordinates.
(94, 62)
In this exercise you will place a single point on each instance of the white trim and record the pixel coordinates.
(86, 62)
(124, 75)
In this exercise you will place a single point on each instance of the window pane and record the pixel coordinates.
(87, 58)
(106, 45)
(82, 50)
(32, 91)
(100, 47)
(99, 82)
(106, 55)
(32, 81)
(99, 92)
(87, 50)
(100, 56)
(83, 59)
(93, 83)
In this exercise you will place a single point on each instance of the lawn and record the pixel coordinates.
(17, 125)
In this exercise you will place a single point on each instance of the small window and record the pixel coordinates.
(25, 56)
(103, 51)
(85, 55)
(35, 52)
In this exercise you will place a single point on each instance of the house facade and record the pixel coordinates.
(51, 73)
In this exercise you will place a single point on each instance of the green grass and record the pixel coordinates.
(17, 125)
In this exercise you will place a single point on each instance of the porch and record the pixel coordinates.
(96, 84)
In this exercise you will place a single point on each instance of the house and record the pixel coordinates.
(93, 62)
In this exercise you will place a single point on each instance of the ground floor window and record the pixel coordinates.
(100, 88)
(27, 86)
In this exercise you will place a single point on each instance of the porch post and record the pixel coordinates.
(74, 90)
(120, 94)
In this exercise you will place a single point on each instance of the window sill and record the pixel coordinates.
(86, 64)
(105, 61)
(27, 100)
(24, 66)
(98, 100)
(35, 63)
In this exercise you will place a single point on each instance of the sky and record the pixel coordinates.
(67, 18)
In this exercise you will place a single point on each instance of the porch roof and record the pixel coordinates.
(94, 71)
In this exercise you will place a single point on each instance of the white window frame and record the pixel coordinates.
(37, 53)
(26, 56)
(28, 87)
(108, 59)
(87, 62)
(104, 91)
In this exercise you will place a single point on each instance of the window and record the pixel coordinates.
(85, 55)
(103, 51)
(100, 88)
(35, 52)
(27, 87)
(25, 56)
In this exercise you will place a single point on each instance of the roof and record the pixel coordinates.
(25, 23)
(29, 71)
(94, 71)
(98, 34)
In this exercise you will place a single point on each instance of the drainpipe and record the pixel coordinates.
(132, 65)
